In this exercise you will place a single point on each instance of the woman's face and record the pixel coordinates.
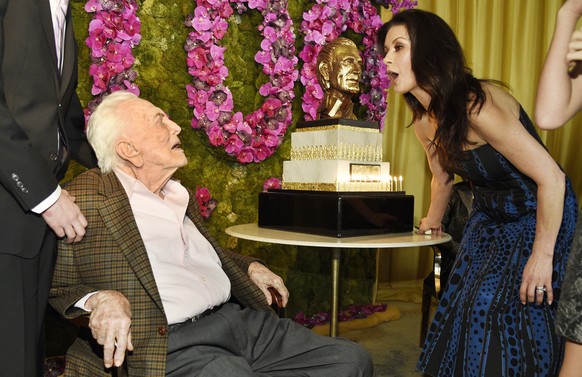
(398, 60)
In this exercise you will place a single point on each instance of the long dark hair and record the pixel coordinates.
(439, 65)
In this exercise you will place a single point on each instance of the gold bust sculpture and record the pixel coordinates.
(339, 69)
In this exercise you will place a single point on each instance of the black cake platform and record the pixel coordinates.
(336, 214)
(338, 122)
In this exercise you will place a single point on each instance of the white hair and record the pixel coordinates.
(104, 127)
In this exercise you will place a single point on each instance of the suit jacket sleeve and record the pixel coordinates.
(68, 287)
(28, 102)
(24, 174)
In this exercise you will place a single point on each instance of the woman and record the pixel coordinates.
(559, 99)
(496, 315)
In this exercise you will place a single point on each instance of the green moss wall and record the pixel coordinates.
(161, 65)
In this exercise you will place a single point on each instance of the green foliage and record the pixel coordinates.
(161, 65)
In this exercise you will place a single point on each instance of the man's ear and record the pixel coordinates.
(324, 72)
(129, 152)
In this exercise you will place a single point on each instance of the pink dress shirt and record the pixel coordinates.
(186, 268)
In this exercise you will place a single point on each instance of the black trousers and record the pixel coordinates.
(24, 289)
(245, 342)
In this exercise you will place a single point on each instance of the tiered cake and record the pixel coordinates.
(336, 184)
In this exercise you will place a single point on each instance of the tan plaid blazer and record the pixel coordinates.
(112, 256)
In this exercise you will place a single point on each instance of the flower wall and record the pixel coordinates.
(234, 184)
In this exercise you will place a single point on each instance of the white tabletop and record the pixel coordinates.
(254, 233)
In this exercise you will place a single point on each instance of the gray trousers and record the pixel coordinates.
(244, 342)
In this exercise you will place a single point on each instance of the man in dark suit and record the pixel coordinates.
(162, 294)
(41, 125)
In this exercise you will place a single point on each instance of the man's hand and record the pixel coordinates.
(110, 323)
(65, 218)
(271, 284)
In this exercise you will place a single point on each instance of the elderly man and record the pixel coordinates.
(161, 293)
(339, 69)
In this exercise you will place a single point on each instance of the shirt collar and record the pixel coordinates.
(128, 182)
(173, 188)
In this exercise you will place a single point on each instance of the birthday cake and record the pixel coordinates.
(337, 155)
(336, 184)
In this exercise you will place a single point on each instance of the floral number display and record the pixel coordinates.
(323, 23)
(113, 33)
(260, 133)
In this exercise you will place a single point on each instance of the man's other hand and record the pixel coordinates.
(110, 324)
(271, 284)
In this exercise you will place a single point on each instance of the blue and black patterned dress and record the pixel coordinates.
(481, 328)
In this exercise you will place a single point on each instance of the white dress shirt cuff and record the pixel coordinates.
(81, 303)
(45, 204)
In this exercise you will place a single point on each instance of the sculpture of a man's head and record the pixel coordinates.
(339, 66)
(339, 70)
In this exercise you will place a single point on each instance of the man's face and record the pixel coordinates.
(155, 136)
(346, 69)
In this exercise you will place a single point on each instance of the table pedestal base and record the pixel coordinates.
(335, 265)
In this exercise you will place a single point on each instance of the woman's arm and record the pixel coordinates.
(498, 124)
(559, 94)
(441, 183)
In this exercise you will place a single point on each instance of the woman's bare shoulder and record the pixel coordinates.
(498, 98)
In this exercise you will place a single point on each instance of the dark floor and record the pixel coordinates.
(394, 345)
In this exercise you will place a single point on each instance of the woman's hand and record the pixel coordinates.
(536, 283)
(429, 226)
(574, 54)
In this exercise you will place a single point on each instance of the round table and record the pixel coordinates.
(253, 232)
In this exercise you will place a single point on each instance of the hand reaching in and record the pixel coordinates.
(574, 54)
(65, 218)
